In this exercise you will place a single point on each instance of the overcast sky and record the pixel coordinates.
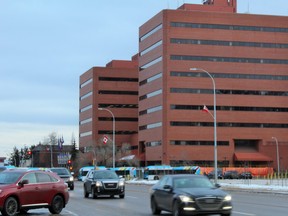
(45, 45)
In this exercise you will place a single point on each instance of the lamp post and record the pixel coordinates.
(113, 137)
(277, 152)
(215, 125)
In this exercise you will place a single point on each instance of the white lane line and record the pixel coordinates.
(71, 213)
(243, 213)
(132, 197)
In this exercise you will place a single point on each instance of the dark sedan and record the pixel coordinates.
(189, 195)
(245, 175)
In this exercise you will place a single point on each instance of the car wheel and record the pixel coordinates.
(57, 205)
(121, 196)
(176, 211)
(10, 207)
(72, 187)
(154, 207)
(86, 194)
(94, 194)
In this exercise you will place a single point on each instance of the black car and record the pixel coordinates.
(245, 175)
(211, 174)
(103, 182)
(64, 173)
(231, 174)
(189, 194)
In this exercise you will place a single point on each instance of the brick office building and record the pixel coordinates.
(113, 88)
(247, 56)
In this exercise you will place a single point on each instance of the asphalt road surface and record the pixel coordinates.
(137, 203)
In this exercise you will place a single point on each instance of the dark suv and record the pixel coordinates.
(64, 173)
(103, 182)
(231, 174)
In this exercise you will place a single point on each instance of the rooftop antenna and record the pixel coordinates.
(248, 7)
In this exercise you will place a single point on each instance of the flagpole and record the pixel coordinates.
(215, 125)
(113, 151)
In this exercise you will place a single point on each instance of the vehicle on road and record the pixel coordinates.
(65, 174)
(211, 174)
(83, 171)
(189, 194)
(23, 189)
(245, 175)
(231, 174)
(103, 182)
(155, 172)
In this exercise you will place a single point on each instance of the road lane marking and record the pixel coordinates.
(132, 197)
(243, 213)
(71, 213)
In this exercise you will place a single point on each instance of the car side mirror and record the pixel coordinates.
(167, 187)
(23, 182)
(217, 185)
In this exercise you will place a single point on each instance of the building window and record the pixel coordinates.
(89, 133)
(86, 108)
(150, 79)
(198, 143)
(151, 48)
(151, 94)
(227, 43)
(118, 79)
(151, 32)
(119, 92)
(86, 82)
(149, 64)
(228, 27)
(85, 121)
(153, 143)
(151, 126)
(129, 106)
(86, 95)
(229, 75)
(150, 110)
(228, 59)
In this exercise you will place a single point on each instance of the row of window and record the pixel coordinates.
(153, 143)
(151, 126)
(86, 95)
(153, 46)
(84, 134)
(86, 82)
(149, 64)
(152, 31)
(85, 121)
(150, 79)
(118, 79)
(151, 94)
(150, 110)
(228, 124)
(228, 92)
(229, 75)
(117, 132)
(198, 143)
(228, 43)
(228, 27)
(118, 92)
(86, 108)
(229, 108)
(228, 59)
(130, 106)
(118, 119)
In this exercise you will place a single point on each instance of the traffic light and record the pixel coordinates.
(69, 162)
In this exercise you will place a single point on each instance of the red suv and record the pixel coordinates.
(23, 189)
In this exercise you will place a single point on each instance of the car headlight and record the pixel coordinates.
(228, 198)
(71, 178)
(98, 184)
(186, 198)
(121, 183)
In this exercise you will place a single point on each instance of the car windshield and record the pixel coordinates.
(60, 171)
(105, 175)
(9, 177)
(192, 182)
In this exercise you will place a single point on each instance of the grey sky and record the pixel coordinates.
(45, 45)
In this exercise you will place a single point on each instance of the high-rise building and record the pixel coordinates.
(246, 57)
(109, 96)
(190, 61)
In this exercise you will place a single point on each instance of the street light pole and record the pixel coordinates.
(215, 124)
(113, 137)
(277, 152)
